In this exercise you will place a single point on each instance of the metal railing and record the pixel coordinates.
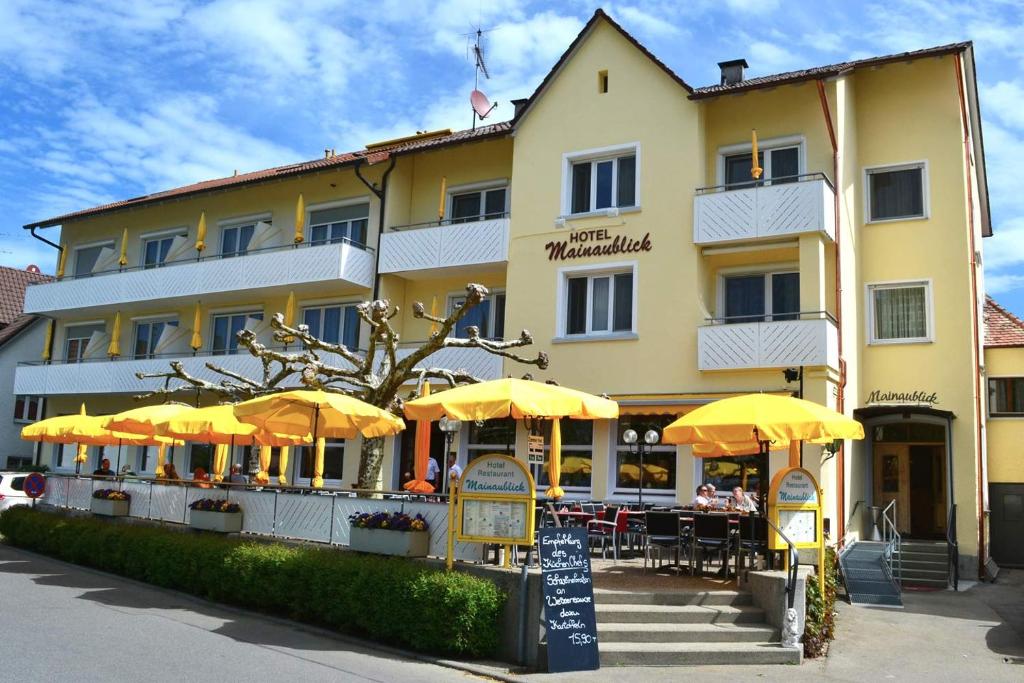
(892, 553)
(844, 542)
(206, 353)
(952, 550)
(780, 317)
(802, 177)
(450, 221)
(794, 565)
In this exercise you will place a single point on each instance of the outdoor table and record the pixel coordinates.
(573, 518)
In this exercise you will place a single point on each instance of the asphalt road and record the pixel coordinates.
(64, 623)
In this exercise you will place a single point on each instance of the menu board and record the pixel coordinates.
(568, 600)
(800, 526)
(494, 519)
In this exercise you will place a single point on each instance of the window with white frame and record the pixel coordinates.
(333, 323)
(87, 257)
(900, 312)
(200, 455)
(577, 454)
(759, 297)
(488, 316)
(234, 240)
(226, 328)
(76, 340)
(156, 249)
(147, 336)
(604, 182)
(659, 467)
(778, 165)
(491, 436)
(339, 224)
(1006, 397)
(476, 205)
(599, 303)
(27, 408)
(334, 460)
(896, 192)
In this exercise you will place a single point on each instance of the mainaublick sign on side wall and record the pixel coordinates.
(584, 243)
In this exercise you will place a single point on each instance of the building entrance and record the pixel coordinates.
(910, 468)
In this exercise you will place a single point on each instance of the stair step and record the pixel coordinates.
(678, 614)
(677, 654)
(716, 598)
(924, 548)
(923, 564)
(686, 633)
(926, 583)
(924, 573)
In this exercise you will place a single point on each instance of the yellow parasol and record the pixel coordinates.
(441, 201)
(575, 464)
(123, 258)
(433, 312)
(282, 465)
(114, 348)
(555, 460)
(517, 398)
(145, 420)
(421, 457)
(197, 329)
(318, 464)
(320, 413)
(48, 340)
(220, 462)
(289, 315)
(755, 167)
(62, 261)
(201, 233)
(300, 219)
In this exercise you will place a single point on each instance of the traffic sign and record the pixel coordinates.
(34, 485)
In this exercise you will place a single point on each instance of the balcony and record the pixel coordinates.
(803, 204)
(772, 344)
(187, 280)
(428, 246)
(476, 362)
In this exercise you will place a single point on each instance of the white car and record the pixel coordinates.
(10, 489)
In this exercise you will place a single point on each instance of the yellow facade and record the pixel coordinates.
(1005, 435)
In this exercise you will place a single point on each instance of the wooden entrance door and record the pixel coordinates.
(892, 481)
(927, 491)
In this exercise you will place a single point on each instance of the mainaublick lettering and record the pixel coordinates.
(560, 250)
(919, 397)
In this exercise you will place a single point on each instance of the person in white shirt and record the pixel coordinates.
(702, 496)
(433, 473)
(741, 501)
(712, 495)
(453, 467)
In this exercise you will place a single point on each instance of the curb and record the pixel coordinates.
(484, 671)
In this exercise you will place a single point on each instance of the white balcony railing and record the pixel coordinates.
(278, 267)
(444, 246)
(775, 344)
(476, 362)
(765, 211)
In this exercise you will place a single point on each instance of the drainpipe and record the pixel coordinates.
(973, 263)
(380, 193)
(841, 389)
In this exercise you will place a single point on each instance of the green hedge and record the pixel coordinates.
(820, 626)
(389, 600)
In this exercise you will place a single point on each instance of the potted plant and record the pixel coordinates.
(110, 502)
(389, 533)
(215, 515)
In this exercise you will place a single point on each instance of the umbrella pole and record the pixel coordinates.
(117, 467)
(316, 419)
(763, 481)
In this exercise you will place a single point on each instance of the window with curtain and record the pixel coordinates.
(659, 472)
(1006, 397)
(77, 339)
(147, 336)
(899, 312)
(86, 258)
(577, 454)
(488, 316)
(761, 296)
(339, 224)
(895, 193)
(226, 328)
(155, 250)
(335, 324)
(234, 241)
(599, 304)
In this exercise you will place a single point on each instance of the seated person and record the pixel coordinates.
(712, 496)
(170, 474)
(741, 501)
(104, 469)
(702, 497)
(236, 476)
(201, 478)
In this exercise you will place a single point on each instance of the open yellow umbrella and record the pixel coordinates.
(516, 398)
(300, 219)
(555, 461)
(144, 420)
(123, 258)
(421, 454)
(114, 348)
(201, 233)
(197, 329)
(319, 413)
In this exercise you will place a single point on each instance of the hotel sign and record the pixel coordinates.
(927, 398)
(495, 504)
(585, 243)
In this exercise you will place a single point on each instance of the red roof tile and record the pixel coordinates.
(12, 292)
(1002, 328)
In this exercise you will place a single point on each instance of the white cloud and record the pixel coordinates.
(1000, 284)
(766, 58)
(748, 7)
(645, 23)
(1004, 101)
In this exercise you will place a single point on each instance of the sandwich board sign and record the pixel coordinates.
(571, 625)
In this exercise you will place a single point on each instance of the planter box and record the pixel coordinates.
(387, 542)
(224, 522)
(109, 508)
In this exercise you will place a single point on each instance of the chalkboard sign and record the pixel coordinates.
(568, 600)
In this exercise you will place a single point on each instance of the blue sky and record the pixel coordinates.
(113, 99)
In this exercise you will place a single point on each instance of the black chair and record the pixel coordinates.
(710, 535)
(607, 529)
(753, 538)
(662, 531)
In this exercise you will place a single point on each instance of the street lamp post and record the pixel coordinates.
(637, 447)
(450, 429)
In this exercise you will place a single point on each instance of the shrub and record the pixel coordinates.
(820, 625)
(394, 521)
(214, 505)
(390, 600)
(111, 494)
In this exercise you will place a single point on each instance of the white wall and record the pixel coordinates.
(25, 346)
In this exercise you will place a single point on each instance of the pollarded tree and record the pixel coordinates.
(375, 376)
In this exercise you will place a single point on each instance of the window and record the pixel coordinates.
(779, 165)
(492, 436)
(599, 304)
(226, 328)
(334, 460)
(234, 241)
(488, 316)
(478, 205)
(1006, 397)
(155, 250)
(577, 454)
(598, 184)
(339, 224)
(77, 340)
(336, 324)
(602, 81)
(28, 408)
(200, 455)
(147, 337)
(729, 472)
(762, 296)
(659, 473)
(86, 258)
(899, 313)
(896, 192)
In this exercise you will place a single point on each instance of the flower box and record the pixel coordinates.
(109, 508)
(223, 522)
(389, 542)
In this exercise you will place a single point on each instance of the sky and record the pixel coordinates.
(110, 100)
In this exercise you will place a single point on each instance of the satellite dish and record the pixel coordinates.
(33, 268)
(481, 105)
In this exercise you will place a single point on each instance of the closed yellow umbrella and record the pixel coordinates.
(123, 258)
(555, 460)
(320, 413)
(289, 315)
(48, 340)
(517, 398)
(62, 261)
(201, 233)
(220, 461)
(300, 219)
(197, 329)
(282, 465)
(318, 464)
(755, 167)
(421, 455)
(114, 348)
(433, 312)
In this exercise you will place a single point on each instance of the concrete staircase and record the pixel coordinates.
(680, 628)
(924, 564)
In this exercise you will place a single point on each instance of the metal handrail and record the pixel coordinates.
(802, 177)
(210, 257)
(842, 546)
(893, 542)
(450, 221)
(795, 315)
(952, 549)
(794, 564)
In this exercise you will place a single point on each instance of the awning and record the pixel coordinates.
(906, 410)
(672, 404)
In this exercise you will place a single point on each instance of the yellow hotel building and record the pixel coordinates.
(614, 218)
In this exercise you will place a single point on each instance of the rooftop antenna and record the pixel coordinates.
(481, 106)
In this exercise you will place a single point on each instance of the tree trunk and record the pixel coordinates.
(371, 457)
